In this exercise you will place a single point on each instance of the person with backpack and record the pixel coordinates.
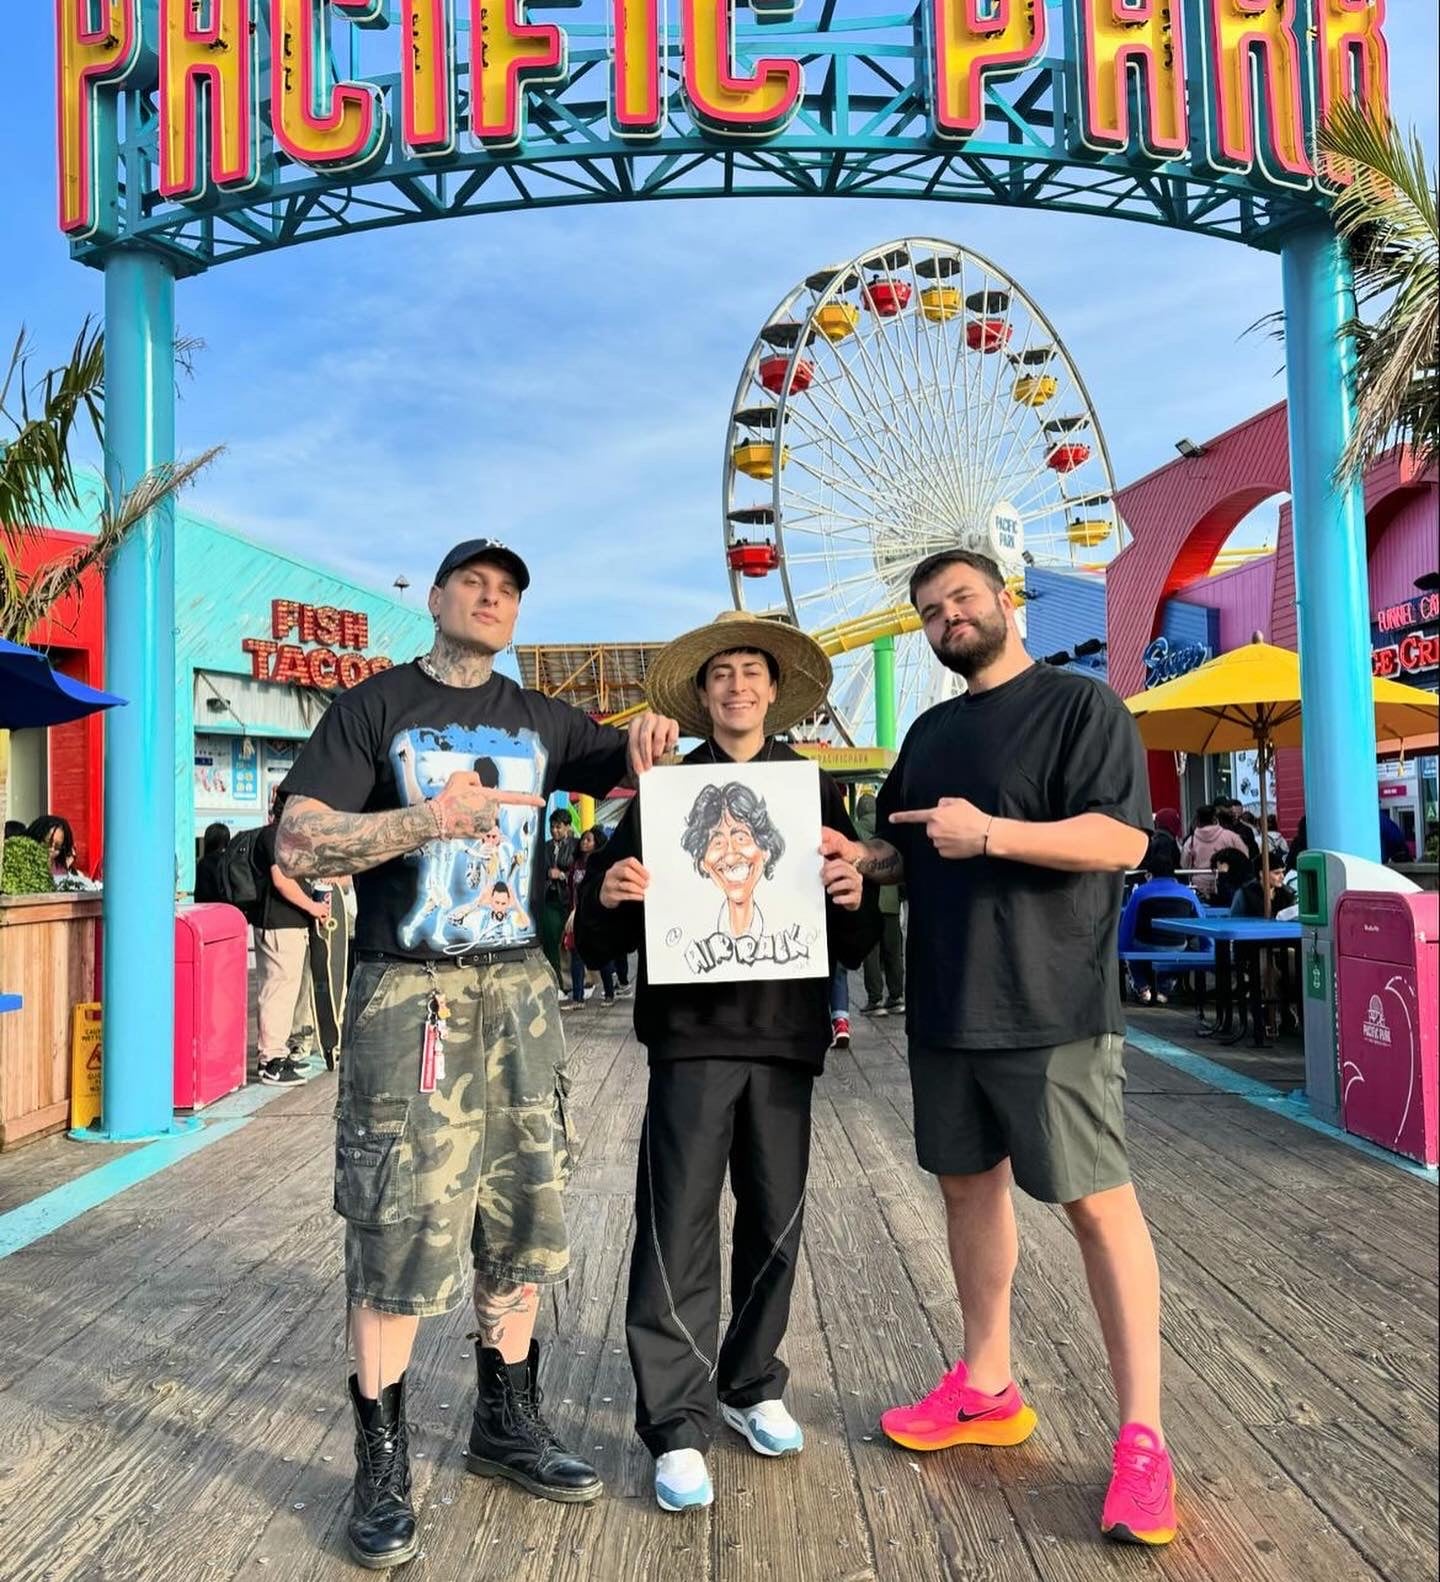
(212, 856)
(282, 915)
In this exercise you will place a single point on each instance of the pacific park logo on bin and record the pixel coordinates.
(274, 659)
(1376, 1029)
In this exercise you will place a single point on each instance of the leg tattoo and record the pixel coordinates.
(505, 1315)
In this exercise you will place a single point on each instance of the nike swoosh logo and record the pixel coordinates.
(975, 1417)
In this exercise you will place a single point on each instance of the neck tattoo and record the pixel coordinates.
(453, 666)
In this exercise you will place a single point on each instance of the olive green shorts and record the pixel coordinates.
(430, 1182)
(1057, 1114)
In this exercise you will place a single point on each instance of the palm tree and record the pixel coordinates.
(1386, 215)
(37, 475)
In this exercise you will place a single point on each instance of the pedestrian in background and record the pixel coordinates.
(885, 965)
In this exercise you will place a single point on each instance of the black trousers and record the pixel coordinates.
(702, 1116)
(885, 965)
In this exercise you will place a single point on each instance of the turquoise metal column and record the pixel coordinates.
(1331, 581)
(139, 906)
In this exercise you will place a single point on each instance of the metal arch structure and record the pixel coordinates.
(193, 133)
(862, 130)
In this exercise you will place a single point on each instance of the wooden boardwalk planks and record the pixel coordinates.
(171, 1381)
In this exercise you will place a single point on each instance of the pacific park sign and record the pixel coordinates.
(231, 94)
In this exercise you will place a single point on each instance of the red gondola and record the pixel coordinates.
(986, 335)
(1067, 457)
(772, 374)
(887, 297)
(753, 560)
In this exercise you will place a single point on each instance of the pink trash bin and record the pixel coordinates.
(211, 984)
(1386, 994)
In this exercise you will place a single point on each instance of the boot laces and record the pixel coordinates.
(528, 1400)
(387, 1463)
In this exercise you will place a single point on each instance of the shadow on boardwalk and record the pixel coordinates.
(171, 1401)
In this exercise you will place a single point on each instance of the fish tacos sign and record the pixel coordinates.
(228, 101)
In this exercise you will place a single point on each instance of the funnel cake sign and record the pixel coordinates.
(1229, 86)
(283, 656)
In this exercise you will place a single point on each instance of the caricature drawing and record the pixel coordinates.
(731, 840)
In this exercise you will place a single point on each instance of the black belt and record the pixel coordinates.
(474, 958)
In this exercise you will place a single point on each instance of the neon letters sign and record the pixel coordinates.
(1223, 87)
(274, 659)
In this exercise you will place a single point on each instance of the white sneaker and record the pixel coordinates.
(769, 1428)
(682, 1481)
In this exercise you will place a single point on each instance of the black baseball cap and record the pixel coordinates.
(490, 550)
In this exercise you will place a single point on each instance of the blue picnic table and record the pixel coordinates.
(1234, 937)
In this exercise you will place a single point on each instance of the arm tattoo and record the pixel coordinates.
(881, 864)
(497, 1305)
(316, 842)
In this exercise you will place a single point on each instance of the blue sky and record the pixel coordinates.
(562, 379)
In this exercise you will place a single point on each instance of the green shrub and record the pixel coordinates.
(26, 868)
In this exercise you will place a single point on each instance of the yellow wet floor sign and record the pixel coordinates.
(84, 1065)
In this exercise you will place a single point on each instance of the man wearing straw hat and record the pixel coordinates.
(732, 1066)
(1011, 814)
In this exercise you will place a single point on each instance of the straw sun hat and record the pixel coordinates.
(804, 670)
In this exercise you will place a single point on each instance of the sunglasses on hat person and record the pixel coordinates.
(489, 551)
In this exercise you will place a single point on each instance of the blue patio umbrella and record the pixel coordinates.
(31, 693)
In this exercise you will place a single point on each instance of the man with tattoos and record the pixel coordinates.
(451, 1134)
(1012, 813)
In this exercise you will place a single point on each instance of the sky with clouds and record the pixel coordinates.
(562, 379)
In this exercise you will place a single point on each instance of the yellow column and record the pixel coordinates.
(586, 809)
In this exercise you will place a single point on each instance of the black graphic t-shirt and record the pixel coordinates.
(395, 740)
(1008, 955)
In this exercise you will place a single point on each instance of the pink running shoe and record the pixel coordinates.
(954, 1414)
(1140, 1506)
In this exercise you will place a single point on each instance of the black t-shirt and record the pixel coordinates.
(1007, 955)
(275, 910)
(395, 740)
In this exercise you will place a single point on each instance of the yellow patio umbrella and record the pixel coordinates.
(1250, 698)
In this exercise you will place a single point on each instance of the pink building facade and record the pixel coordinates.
(1158, 588)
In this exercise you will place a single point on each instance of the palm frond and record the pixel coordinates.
(1386, 214)
(36, 466)
(25, 600)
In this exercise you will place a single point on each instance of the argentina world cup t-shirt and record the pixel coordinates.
(394, 741)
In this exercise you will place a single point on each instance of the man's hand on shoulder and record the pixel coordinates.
(651, 737)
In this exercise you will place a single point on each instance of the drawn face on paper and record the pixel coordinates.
(731, 840)
(733, 859)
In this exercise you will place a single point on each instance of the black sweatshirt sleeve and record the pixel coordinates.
(601, 933)
(853, 935)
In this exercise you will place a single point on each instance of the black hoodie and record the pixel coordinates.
(781, 1019)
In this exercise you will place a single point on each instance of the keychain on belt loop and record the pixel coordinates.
(432, 1048)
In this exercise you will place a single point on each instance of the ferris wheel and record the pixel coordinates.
(912, 400)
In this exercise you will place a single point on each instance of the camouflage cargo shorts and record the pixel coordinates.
(428, 1182)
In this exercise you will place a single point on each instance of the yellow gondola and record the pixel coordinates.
(1089, 531)
(758, 461)
(1035, 389)
(836, 320)
(939, 303)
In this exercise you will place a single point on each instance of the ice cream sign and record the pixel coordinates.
(236, 87)
(313, 645)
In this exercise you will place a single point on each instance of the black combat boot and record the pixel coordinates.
(381, 1529)
(511, 1439)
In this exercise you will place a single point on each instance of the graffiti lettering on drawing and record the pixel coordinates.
(471, 894)
(735, 893)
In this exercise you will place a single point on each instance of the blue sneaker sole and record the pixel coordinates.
(737, 1421)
